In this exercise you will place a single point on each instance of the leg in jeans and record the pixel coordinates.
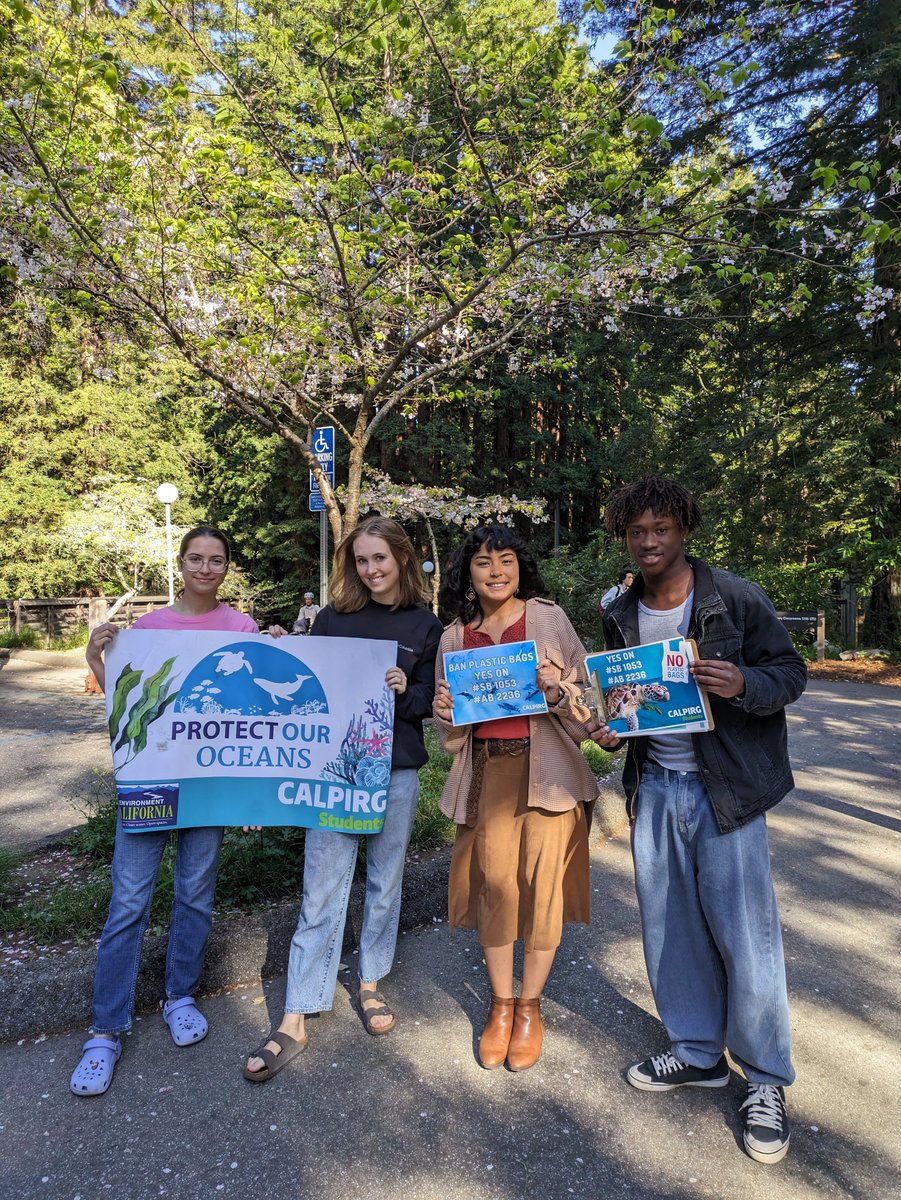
(328, 871)
(136, 863)
(196, 866)
(385, 856)
(711, 934)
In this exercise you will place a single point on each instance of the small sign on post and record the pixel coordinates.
(798, 622)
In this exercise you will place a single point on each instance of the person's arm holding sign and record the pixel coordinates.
(100, 641)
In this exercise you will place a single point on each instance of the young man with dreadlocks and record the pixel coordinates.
(712, 939)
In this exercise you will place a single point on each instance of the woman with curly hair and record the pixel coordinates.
(376, 592)
(519, 789)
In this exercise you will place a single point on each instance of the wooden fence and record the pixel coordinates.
(62, 618)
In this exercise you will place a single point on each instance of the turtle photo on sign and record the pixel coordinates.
(648, 689)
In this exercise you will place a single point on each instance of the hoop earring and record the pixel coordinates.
(470, 594)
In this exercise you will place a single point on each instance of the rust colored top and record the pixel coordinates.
(559, 777)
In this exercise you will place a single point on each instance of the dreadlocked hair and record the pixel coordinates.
(664, 497)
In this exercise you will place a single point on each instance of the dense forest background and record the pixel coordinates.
(764, 375)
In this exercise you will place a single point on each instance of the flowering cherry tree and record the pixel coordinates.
(331, 213)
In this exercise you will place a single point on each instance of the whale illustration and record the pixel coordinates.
(282, 690)
(232, 660)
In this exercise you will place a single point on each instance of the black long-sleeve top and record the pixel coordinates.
(417, 632)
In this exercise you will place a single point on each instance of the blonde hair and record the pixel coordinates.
(348, 592)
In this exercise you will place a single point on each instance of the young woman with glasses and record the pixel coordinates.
(203, 560)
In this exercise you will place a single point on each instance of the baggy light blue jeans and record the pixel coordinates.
(712, 938)
(136, 864)
(329, 861)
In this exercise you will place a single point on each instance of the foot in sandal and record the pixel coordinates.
(377, 1016)
(276, 1051)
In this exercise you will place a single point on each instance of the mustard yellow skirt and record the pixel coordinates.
(519, 873)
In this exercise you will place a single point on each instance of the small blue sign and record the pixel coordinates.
(491, 682)
(324, 449)
(317, 503)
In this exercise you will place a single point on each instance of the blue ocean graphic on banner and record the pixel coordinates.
(252, 679)
(210, 729)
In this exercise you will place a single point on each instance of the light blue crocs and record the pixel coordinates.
(186, 1022)
(94, 1073)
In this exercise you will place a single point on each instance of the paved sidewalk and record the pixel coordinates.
(52, 740)
(413, 1115)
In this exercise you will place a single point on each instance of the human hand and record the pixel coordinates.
(721, 678)
(549, 681)
(606, 738)
(102, 638)
(396, 680)
(443, 704)
(276, 631)
(250, 828)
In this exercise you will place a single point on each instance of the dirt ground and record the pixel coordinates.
(858, 670)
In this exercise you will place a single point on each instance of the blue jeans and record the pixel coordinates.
(328, 871)
(712, 938)
(136, 864)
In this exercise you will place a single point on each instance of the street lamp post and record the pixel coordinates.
(167, 494)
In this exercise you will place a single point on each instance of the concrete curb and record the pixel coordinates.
(53, 994)
(48, 658)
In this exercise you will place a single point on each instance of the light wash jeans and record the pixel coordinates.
(136, 864)
(329, 861)
(712, 938)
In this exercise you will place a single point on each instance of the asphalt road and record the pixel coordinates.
(412, 1115)
(53, 740)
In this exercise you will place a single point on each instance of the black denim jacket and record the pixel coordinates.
(744, 759)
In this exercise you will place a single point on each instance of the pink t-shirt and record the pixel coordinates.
(223, 617)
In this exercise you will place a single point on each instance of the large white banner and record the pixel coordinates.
(243, 729)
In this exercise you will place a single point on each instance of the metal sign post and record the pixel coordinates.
(324, 449)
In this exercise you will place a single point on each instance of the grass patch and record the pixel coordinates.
(22, 639)
(254, 868)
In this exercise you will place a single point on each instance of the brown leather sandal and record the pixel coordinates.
(380, 1010)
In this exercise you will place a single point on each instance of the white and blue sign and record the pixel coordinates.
(494, 681)
(324, 450)
(649, 689)
(242, 729)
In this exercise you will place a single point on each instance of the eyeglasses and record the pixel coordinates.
(194, 562)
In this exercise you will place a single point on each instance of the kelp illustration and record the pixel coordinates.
(363, 760)
(157, 694)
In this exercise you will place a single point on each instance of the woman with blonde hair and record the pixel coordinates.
(376, 592)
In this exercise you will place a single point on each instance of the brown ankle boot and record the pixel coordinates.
(494, 1041)
(524, 1050)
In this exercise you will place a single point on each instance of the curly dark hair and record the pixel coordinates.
(664, 497)
(457, 580)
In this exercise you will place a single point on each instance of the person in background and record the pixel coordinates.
(203, 560)
(519, 789)
(712, 937)
(625, 579)
(307, 615)
(376, 592)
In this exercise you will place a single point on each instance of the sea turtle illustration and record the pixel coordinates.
(232, 660)
(626, 701)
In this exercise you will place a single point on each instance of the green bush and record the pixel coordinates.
(22, 639)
